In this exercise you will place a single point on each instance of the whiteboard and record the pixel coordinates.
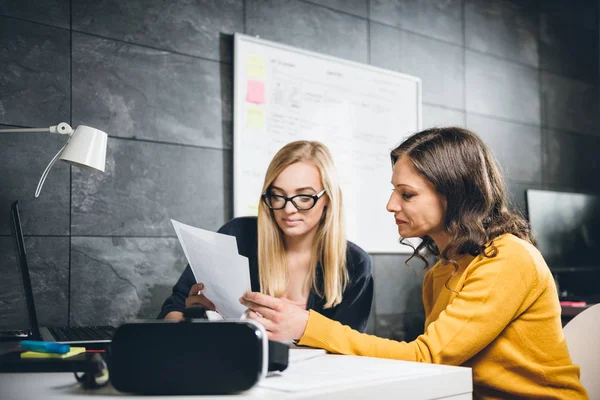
(359, 112)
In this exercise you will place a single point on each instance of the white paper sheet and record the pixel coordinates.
(215, 261)
(339, 371)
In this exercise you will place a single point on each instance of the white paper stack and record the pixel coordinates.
(215, 262)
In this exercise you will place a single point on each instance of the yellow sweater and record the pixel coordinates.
(503, 321)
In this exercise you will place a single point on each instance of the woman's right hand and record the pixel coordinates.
(196, 298)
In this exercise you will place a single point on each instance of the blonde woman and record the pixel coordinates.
(297, 247)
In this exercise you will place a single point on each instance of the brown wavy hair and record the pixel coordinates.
(463, 170)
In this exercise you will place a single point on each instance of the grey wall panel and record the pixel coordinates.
(147, 184)
(48, 260)
(119, 279)
(571, 159)
(582, 13)
(434, 116)
(569, 105)
(308, 26)
(439, 65)
(506, 29)
(517, 147)
(440, 19)
(49, 12)
(150, 94)
(565, 49)
(356, 7)
(502, 89)
(397, 285)
(191, 27)
(516, 195)
(12, 300)
(34, 74)
(401, 327)
(23, 158)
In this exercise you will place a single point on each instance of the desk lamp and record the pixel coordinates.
(86, 147)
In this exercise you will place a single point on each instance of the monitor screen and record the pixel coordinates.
(566, 227)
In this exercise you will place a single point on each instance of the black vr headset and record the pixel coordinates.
(192, 357)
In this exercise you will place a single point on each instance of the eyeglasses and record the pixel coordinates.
(303, 202)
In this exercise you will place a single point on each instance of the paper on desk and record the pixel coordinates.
(334, 370)
(214, 260)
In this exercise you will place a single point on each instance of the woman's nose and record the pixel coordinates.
(393, 205)
(290, 208)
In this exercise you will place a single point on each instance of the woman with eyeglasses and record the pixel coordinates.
(297, 247)
(490, 301)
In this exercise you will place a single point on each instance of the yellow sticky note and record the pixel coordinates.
(256, 67)
(252, 209)
(35, 354)
(255, 119)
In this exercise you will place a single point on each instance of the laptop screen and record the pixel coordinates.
(21, 256)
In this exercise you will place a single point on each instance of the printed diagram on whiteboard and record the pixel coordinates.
(359, 112)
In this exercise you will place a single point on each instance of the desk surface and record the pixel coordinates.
(319, 378)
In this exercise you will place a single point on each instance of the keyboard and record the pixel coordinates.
(82, 333)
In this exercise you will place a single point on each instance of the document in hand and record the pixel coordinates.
(214, 260)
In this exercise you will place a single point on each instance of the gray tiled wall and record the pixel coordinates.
(157, 76)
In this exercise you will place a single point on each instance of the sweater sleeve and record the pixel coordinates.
(495, 291)
(181, 290)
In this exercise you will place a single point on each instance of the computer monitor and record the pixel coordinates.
(567, 228)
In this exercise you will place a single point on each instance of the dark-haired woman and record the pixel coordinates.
(490, 301)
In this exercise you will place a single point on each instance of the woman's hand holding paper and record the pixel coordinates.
(282, 320)
(196, 298)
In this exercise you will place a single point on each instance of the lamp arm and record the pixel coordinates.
(47, 170)
(63, 128)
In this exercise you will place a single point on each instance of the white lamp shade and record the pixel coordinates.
(86, 148)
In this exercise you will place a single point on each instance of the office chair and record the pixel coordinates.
(582, 334)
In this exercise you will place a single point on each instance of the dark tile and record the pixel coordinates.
(12, 300)
(149, 94)
(386, 46)
(49, 12)
(571, 160)
(372, 322)
(130, 277)
(583, 13)
(441, 68)
(517, 147)
(24, 157)
(356, 7)
(440, 19)
(201, 28)
(397, 286)
(569, 105)
(34, 74)
(502, 89)
(439, 65)
(401, 327)
(390, 326)
(434, 116)
(147, 184)
(568, 50)
(507, 29)
(48, 261)
(308, 26)
(516, 194)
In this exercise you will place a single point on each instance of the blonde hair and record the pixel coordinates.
(330, 244)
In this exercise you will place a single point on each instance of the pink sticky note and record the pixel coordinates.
(256, 92)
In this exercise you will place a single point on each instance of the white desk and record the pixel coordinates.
(407, 381)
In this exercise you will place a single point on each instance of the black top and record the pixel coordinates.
(354, 309)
